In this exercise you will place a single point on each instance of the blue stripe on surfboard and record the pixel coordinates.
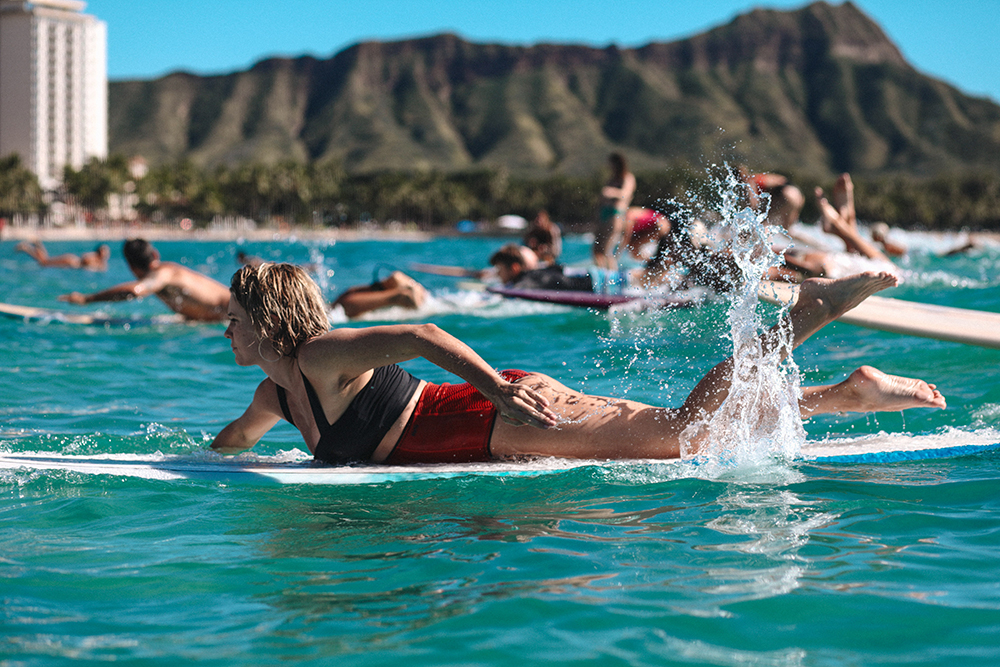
(905, 455)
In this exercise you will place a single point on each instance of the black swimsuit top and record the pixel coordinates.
(358, 432)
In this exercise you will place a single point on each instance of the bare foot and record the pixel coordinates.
(870, 390)
(843, 199)
(416, 293)
(834, 297)
(411, 293)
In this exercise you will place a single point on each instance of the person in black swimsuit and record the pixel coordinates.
(343, 390)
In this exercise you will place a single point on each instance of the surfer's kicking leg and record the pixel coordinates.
(820, 301)
(870, 390)
(600, 427)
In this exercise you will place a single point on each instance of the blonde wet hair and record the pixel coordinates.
(284, 304)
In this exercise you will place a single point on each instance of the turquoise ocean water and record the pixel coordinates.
(776, 563)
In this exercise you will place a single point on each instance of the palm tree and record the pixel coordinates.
(19, 188)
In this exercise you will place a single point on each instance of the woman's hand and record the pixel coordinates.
(520, 405)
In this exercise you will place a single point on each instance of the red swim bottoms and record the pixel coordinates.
(452, 423)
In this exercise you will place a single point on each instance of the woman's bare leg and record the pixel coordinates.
(820, 301)
(590, 427)
(598, 427)
(36, 250)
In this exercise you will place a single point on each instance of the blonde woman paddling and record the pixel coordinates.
(343, 390)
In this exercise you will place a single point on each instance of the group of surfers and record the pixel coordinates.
(344, 390)
(670, 244)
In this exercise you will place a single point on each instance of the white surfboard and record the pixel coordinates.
(265, 472)
(870, 449)
(44, 315)
(958, 325)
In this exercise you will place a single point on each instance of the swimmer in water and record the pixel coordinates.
(345, 393)
(95, 260)
(185, 291)
(398, 289)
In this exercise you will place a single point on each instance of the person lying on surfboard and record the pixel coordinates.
(513, 271)
(95, 260)
(398, 289)
(185, 291)
(351, 402)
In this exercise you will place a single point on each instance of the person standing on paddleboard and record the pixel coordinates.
(616, 195)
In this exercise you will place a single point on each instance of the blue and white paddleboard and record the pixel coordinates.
(870, 449)
(894, 448)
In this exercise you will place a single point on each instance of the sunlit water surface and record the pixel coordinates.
(764, 563)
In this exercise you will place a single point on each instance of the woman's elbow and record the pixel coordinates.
(428, 330)
(228, 449)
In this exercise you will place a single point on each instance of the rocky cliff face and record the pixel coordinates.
(814, 91)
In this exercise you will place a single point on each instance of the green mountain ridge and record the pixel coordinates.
(813, 91)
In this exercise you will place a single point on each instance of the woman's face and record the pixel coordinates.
(243, 339)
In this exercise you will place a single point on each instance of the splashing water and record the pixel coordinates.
(759, 419)
(321, 273)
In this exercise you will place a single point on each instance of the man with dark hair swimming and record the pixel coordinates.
(193, 295)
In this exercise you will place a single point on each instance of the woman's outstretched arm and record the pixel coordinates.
(349, 352)
(259, 418)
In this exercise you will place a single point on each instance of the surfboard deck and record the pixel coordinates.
(958, 325)
(33, 314)
(596, 301)
(262, 472)
(865, 450)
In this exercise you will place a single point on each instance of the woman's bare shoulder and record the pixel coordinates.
(350, 351)
(329, 351)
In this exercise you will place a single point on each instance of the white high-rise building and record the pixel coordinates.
(53, 85)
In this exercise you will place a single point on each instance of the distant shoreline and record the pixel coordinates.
(121, 233)
(159, 233)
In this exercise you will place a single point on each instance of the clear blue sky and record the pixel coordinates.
(958, 41)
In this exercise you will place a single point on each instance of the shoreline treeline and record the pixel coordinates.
(325, 195)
